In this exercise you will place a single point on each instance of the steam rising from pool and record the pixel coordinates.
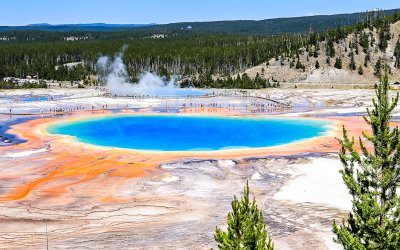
(116, 78)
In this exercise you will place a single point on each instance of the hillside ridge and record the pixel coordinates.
(270, 26)
(280, 70)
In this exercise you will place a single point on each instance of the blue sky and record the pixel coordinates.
(22, 12)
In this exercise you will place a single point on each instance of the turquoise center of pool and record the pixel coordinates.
(189, 133)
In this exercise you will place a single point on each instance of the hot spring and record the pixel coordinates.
(189, 133)
(116, 78)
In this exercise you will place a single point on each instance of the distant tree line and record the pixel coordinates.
(25, 85)
(239, 82)
(187, 56)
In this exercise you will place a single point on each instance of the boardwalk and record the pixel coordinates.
(73, 104)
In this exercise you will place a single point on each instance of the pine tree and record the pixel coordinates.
(246, 228)
(360, 70)
(315, 54)
(317, 64)
(338, 63)
(397, 54)
(259, 82)
(366, 59)
(352, 65)
(299, 65)
(372, 180)
(384, 36)
(378, 67)
(328, 60)
(330, 50)
(396, 16)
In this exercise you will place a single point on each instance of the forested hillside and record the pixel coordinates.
(201, 57)
(356, 54)
(273, 26)
(170, 52)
